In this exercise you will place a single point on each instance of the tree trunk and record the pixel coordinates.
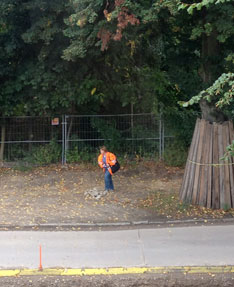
(210, 50)
(208, 181)
(211, 113)
(2, 146)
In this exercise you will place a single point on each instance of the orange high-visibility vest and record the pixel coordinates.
(110, 160)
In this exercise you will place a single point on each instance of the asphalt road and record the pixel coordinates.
(143, 280)
(181, 246)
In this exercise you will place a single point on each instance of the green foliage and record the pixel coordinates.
(144, 148)
(46, 154)
(15, 152)
(11, 53)
(226, 207)
(175, 154)
(84, 155)
(108, 131)
(213, 27)
(181, 123)
(52, 58)
(23, 168)
(64, 61)
(221, 92)
(229, 152)
(56, 59)
(201, 4)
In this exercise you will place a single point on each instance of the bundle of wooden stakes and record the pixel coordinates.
(209, 181)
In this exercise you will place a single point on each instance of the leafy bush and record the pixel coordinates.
(145, 148)
(175, 155)
(46, 154)
(81, 155)
(14, 152)
(181, 124)
(229, 152)
(109, 132)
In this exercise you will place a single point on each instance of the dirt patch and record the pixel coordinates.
(52, 195)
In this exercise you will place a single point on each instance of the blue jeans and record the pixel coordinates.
(108, 181)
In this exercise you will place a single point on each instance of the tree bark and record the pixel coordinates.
(208, 181)
(210, 50)
(2, 146)
(211, 114)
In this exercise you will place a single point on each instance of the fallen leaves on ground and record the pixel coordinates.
(168, 204)
(56, 194)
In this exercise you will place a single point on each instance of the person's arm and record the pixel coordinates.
(100, 162)
(112, 159)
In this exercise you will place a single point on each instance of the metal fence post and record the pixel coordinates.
(64, 139)
(63, 143)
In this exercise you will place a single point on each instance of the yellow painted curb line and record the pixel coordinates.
(117, 271)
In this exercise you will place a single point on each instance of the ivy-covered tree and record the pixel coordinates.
(215, 31)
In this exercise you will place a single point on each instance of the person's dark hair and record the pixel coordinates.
(103, 148)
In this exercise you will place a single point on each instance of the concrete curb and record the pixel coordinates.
(119, 224)
(118, 271)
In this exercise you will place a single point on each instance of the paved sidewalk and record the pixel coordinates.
(182, 246)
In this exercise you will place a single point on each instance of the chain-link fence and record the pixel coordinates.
(72, 138)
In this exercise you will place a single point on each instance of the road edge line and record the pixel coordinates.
(117, 271)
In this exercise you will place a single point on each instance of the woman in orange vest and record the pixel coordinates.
(106, 160)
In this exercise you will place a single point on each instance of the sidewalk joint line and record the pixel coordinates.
(141, 246)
